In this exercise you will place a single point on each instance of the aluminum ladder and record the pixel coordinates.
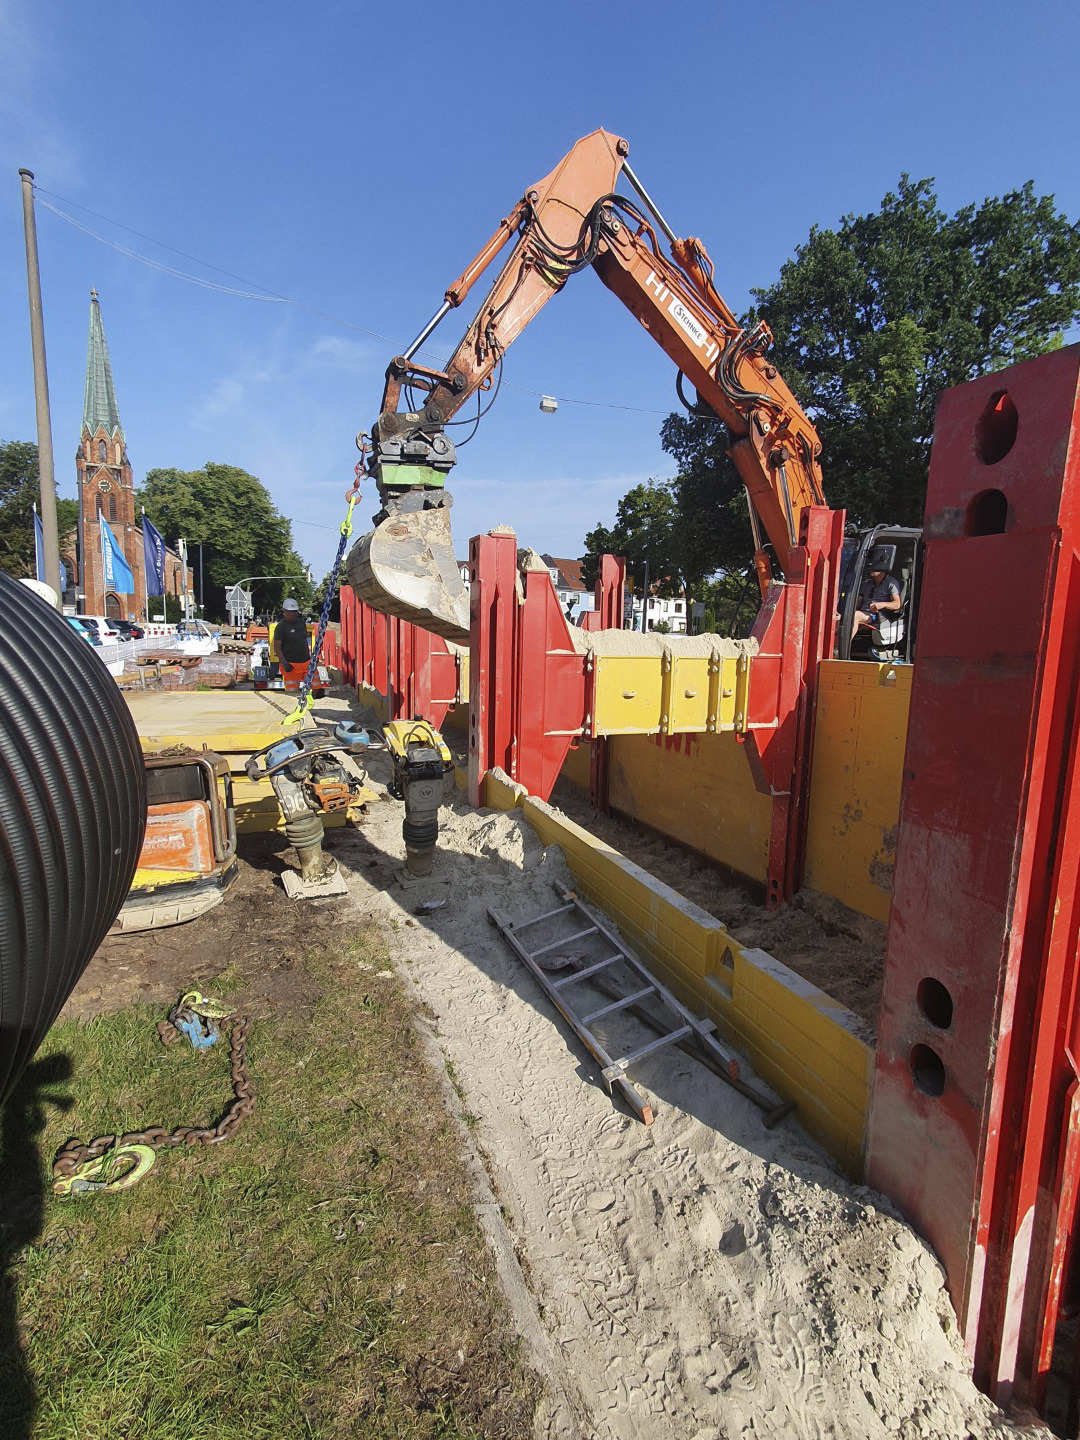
(589, 929)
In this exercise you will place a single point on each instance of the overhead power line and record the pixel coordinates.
(267, 296)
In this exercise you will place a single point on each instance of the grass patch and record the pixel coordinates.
(319, 1274)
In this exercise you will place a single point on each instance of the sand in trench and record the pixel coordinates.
(699, 1278)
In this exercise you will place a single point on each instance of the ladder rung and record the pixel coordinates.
(620, 1004)
(584, 974)
(561, 944)
(628, 1060)
(549, 916)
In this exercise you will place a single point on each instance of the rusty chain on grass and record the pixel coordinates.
(72, 1156)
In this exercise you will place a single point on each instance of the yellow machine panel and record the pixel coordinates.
(236, 724)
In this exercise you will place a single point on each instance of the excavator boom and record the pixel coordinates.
(569, 220)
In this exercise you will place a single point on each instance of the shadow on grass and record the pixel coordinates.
(22, 1205)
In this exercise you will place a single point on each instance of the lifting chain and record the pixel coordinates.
(303, 703)
(75, 1162)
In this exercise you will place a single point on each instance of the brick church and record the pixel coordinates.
(107, 488)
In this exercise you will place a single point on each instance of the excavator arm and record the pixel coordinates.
(567, 221)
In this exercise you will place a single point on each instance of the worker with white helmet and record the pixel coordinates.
(290, 646)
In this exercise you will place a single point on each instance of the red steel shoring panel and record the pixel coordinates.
(492, 620)
(975, 1063)
(550, 687)
(370, 620)
(610, 594)
(399, 654)
(795, 630)
(439, 675)
(434, 676)
(1031, 1196)
(348, 621)
(823, 538)
(377, 671)
(392, 688)
(360, 630)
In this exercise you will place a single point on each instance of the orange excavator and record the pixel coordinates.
(571, 219)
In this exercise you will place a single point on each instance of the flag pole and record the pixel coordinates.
(46, 474)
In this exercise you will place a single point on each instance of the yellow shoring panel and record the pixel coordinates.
(629, 695)
(697, 789)
(729, 678)
(669, 694)
(687, 693)
(798, 1039)
(862, 713)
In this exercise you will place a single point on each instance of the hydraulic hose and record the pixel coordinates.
(72, 816)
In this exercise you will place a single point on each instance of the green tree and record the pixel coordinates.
(871, 322)
(230, 513)
(710, 523)
(874, 320)
(730, 603)
(19, 489)
(643, 533)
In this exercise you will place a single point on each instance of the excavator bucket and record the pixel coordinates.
(406, 567)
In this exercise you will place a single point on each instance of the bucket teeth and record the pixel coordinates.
(406, 567)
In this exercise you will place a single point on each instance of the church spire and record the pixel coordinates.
(99, 401)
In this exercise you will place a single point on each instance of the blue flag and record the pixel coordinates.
(117, 571)
(153, 558)
(39, 545)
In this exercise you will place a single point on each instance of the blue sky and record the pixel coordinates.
(352, 158)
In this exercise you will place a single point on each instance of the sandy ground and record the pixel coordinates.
(699, 1279)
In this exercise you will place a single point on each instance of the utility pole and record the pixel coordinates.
(46, 474)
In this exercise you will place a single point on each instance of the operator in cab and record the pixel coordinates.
(290, 645)
(883, 598)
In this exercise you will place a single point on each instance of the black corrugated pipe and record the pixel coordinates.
(72, 815)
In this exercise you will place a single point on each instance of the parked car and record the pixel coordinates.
(105, 628)
(129, 629)
(88, 632)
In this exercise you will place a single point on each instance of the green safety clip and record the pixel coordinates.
(117, 1169)
(203, 1005)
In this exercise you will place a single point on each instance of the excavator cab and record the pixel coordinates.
(898, 550)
